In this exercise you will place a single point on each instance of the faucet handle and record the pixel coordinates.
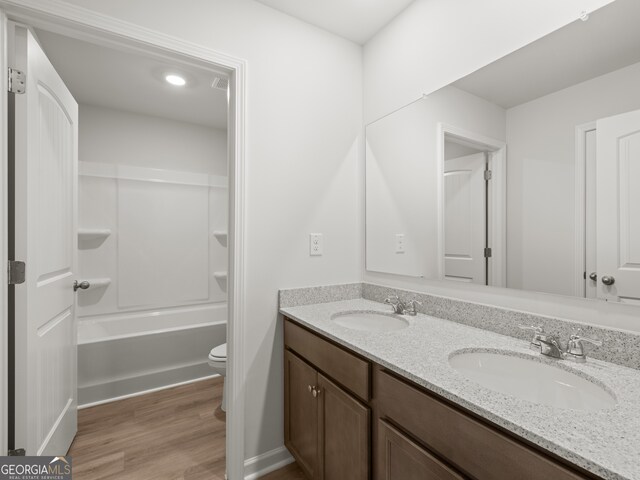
(390, 298)
(575, 336)
(538, 331)
(575, 347)
(396, 304)
(411, 307)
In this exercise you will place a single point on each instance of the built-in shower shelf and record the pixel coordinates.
(98, 282)
(221, 236)
(93, 233)
(220, 275)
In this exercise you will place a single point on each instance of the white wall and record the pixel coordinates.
(541, 175)
(304, 117)
(435, 42)
(111, 136)
(402, 173)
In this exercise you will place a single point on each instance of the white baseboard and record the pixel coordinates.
(260, 465)
(120, 390)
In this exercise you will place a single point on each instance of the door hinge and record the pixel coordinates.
(16, 272)
(18, 452)
(487, 175)
(487, 252)
(17, 81)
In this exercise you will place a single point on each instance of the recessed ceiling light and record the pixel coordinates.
(176, 80)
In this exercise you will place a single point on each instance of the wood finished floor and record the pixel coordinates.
(175, 434)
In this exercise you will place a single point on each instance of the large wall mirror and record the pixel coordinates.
(524, 174)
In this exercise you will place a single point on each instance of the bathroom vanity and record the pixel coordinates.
(390, 405)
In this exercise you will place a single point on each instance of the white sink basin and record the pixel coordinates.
(370, 321)
(531, 380)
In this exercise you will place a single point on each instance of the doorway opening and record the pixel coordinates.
(471, 183)
(154, 216)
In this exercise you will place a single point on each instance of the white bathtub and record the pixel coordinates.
(128, 354)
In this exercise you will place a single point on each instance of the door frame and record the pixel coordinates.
(579, 262)
(497, 198)
(83, 24)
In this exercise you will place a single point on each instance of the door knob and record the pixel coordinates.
(83, 285)
(608, 280)
(593, 276)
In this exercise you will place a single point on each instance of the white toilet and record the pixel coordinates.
(218, 361)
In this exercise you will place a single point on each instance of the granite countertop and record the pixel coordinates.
(605, 442)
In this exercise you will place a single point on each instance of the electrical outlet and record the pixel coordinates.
(400, 248)
(315, 244)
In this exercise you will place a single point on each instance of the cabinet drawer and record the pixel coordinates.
(345, 368)
(400, 458)
(474, 448)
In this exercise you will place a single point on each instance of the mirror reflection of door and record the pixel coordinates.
(465, 214)
(618, 207)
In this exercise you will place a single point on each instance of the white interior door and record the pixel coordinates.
(46, 157)
(465, 219)
(618, 207)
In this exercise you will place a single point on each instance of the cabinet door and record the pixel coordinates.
(301, 413)
(344, 434)
(399, 458)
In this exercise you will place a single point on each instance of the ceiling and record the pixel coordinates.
(356, 20)
(111, 78)
(608, 41)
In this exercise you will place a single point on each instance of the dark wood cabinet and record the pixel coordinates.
(348, 418)
(344, 433)
(301, 418)
(327, 430)
(400, 458)
(475, 448)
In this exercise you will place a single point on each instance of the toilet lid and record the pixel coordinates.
(219, 352)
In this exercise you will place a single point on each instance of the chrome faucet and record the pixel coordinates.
(401, 308)
(396, 304)
(550, 345)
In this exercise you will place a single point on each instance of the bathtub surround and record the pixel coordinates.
(148, 187)
(620, 347)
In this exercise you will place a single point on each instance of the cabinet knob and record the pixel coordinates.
(315, 392)
(593, 276)
(310, 388)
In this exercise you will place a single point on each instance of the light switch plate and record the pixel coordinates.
(315, 244)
